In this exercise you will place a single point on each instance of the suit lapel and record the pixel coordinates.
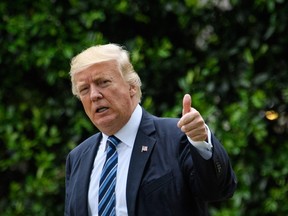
(142, 150)
(85, 168)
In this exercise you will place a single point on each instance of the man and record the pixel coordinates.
(164, 166)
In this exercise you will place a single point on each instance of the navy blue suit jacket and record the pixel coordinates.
(170, 178)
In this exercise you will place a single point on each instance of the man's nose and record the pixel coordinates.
(95, 93)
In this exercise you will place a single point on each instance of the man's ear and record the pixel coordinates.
(132, 90)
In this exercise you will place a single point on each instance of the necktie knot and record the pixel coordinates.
(113, 141)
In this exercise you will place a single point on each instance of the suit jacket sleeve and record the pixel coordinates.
(211, 179)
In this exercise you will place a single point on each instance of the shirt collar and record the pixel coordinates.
(127, 134)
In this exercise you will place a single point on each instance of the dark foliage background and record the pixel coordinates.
(229, 55)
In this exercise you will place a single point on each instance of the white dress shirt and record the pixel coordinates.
(127, 135)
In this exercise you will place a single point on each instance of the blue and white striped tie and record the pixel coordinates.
(107, 199)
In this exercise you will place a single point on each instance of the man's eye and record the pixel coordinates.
(104, 83)
(83, 90)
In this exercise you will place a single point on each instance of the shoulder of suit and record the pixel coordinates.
(169, 123)
(86, 144)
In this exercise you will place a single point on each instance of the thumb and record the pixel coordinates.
(186, 104)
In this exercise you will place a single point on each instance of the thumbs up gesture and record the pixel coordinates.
(191, 122)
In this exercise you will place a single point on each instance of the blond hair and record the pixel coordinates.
(100, 53)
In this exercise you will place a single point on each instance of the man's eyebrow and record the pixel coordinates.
(80, 84)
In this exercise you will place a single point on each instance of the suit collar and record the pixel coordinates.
(85, 167)
(141, 152)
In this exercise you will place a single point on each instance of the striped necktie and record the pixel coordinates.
(107, 199)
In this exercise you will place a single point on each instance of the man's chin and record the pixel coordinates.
(106, 126)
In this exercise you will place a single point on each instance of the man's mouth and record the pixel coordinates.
(100, 110)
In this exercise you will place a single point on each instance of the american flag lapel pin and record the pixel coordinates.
(144, 149)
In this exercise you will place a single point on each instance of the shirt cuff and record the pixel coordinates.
(204, 148)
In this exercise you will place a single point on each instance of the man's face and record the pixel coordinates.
(107, 99)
